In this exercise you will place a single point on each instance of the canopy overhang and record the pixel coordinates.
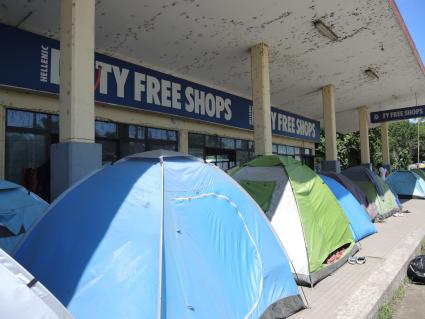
(209, 41)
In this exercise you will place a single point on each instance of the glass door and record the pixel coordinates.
(225, 159)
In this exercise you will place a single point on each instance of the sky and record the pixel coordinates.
(413, 12)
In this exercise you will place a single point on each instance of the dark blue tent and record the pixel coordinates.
(161, 235)
(19, 208)
(361, 197)
(360, 224)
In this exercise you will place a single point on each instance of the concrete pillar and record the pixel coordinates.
(331, 162)
(77, 71)
(260, 82)
(386, 161)
(184, 141)
(76, 155)
(2, 140)
(364, 136)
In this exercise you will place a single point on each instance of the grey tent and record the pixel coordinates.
(22, 296)
(375, 189)
(370, 207)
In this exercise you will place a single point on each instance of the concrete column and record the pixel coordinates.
(385, 146)
(260, 82)
(184, 141)
(364, 135)
(331, 162)
(76, 155)
(77, 71)
(2, 140)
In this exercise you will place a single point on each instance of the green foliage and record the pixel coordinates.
(348, 147)
(403, 145)
(388, 309)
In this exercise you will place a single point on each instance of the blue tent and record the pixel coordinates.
(160, 235)
(360, 223)
(406, 184)
(19, 208)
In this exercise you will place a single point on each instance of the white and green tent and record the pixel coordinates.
(303, 211)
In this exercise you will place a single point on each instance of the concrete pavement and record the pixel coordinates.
(357, 291)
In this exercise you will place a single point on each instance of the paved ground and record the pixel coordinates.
(413, 303)
(357, 291)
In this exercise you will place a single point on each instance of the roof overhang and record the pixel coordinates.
(208, 42)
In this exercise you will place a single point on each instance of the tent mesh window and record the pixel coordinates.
(261, 192)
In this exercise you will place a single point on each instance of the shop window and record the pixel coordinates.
(54, 122)
(162, 139)
(136, 132)
(129, 148)
(34, 146)
(133, 141)
(41, 121)
(196, 140)
(164, 135)
(241, 144)
(211, 158)
(109, 151)
(196, 145)
(301, 154)
(158, 145)
(227, 143)
(222, 151)
(224, 161)
(22, 119)
(107, 135)
(290, 150)
(31, 134)
(106, 129)
(242, 157)
(197, 152)
(172, 136)
(212, 141)
(157, 134)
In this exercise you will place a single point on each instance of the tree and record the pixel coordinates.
(403, 145)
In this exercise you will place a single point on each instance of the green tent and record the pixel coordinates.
(306, 216)
(376, 190)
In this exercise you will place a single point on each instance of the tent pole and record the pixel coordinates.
(161, 245)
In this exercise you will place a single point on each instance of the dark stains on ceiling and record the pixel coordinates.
(210, 41)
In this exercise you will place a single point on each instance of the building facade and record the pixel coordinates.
(137, 109)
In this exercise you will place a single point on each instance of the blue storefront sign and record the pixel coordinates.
(30, 61)
(398, 114)
(296, 126)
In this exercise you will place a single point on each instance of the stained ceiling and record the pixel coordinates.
(208, 42)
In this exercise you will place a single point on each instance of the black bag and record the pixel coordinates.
(416, 270)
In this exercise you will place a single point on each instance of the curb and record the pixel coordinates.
(366, 301)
